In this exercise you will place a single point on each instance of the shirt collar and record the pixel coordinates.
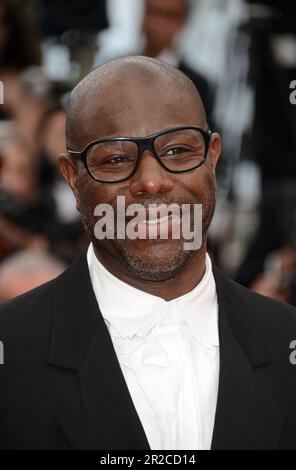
(131, 311)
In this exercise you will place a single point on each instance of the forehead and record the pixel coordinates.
(138, 110)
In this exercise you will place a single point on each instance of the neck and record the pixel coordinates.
(182, 283)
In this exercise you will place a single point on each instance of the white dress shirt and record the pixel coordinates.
(169, 355)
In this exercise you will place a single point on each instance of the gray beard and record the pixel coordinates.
(148, 269)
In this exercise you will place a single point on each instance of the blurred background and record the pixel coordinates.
(242, 57)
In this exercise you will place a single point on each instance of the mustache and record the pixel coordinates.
(158, 201)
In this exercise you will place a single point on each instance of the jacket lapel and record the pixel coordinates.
(241, 422)
(107, 418)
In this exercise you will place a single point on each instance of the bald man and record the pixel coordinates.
(142, 343)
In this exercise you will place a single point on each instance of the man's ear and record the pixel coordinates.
(69, 171)
(214, 150)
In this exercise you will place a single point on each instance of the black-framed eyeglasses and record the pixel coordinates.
(116, 159)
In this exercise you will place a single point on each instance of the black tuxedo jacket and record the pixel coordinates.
(61, 385)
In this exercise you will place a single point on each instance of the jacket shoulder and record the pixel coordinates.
(265, 307)
(31, 312)
(27, 310)
(275, 319)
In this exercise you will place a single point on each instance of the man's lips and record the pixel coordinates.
(153, 217)
(150, 220)
(161, 226)
(160, 220)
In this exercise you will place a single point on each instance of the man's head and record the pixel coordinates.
(137, 97)
(162, 21)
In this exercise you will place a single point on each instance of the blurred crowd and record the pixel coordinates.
(242, 57)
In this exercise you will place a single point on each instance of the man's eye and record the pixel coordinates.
(118, 160)
(176, 151)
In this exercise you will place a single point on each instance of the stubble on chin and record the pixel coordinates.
(149, 267)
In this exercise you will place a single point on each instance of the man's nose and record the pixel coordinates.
(150, 177)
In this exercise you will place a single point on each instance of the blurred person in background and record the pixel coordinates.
(65, 231)
(53, 143)
(273, 68)
(26, 270)
(163, 24)
(278, 280)
(269, 267)
(20, 54)
(37, 208)
(155, 29)
(25, 210)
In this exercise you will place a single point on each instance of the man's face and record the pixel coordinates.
(162, 21)
(139, 111)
